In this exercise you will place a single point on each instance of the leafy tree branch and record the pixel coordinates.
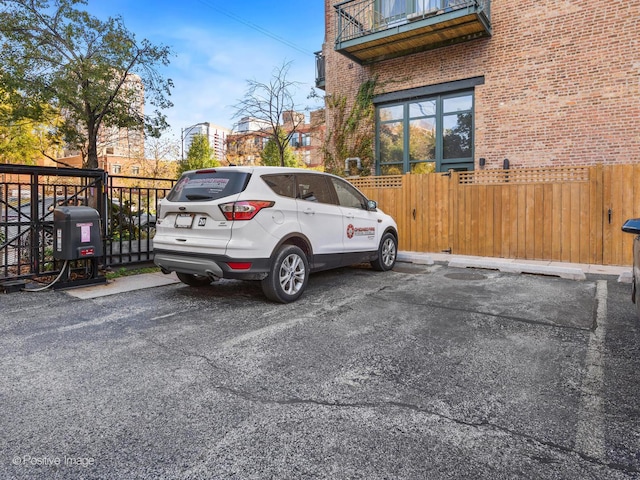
(352, 130)
(94, 72)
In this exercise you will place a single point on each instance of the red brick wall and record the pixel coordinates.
(562, 81)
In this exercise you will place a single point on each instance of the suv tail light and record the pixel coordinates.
(244, 210)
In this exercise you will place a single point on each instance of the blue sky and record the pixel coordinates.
(218, 45)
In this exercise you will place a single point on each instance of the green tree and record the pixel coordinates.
(272, 156)
(23, 141)
(19, 144)
(95, 72)
(199, 155)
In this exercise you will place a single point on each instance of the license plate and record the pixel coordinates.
(184, 220)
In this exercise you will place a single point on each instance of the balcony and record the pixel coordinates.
(369, 31)
(320, 72)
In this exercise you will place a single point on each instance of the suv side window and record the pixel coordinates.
(348, 196)
(281, 184)
(315, 188)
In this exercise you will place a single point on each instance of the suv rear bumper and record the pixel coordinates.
(213, 266)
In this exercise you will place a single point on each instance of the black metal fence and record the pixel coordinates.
(131, 206)
(29, 195)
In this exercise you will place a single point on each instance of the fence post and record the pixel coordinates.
(454, 224)
(596, 180)
(35, 227)
(103, 209)
(403, 216)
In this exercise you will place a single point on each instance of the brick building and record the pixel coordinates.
(140, 167)
(308, 139)
(251, 136)
(244, 147)
(466, 84)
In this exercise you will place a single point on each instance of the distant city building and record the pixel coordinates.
(250, 124)
(251, 136)
(217, 138)
(308, 140)
(293, 118)
(243, 148)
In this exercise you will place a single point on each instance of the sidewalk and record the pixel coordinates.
(124, 284)
(572, 271)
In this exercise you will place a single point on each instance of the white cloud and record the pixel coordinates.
(210, 73)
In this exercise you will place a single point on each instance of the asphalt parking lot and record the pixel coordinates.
(423, 372)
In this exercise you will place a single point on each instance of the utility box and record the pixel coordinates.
(77, 233)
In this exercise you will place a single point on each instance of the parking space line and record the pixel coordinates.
(165, 316)
(590, 426)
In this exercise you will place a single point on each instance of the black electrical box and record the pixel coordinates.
(77, 233)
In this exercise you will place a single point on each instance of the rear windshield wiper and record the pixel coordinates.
(199, 197)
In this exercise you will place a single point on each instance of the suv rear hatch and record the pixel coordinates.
(191, 217)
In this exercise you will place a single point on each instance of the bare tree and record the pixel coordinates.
(272, 105)
(162, 154)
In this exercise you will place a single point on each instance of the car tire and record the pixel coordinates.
(194, 280)
(288, 275)
(387, 253)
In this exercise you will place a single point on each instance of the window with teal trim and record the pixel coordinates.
(432, 134)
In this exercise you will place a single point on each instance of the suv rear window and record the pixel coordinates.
(208, 185)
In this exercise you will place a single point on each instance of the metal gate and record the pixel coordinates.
(28, 196)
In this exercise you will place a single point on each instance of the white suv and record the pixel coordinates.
(270, 224)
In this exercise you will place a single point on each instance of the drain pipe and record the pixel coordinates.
(347, 161)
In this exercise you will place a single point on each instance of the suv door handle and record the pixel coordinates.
(309, 211)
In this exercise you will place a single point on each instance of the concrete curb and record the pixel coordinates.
(415, 257)
(556, 269)
(509, 267)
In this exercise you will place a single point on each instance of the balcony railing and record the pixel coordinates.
(373, 30)
(320, 72)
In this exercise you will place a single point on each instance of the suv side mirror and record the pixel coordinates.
(372, 205)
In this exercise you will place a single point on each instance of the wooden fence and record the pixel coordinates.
(566, 214)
